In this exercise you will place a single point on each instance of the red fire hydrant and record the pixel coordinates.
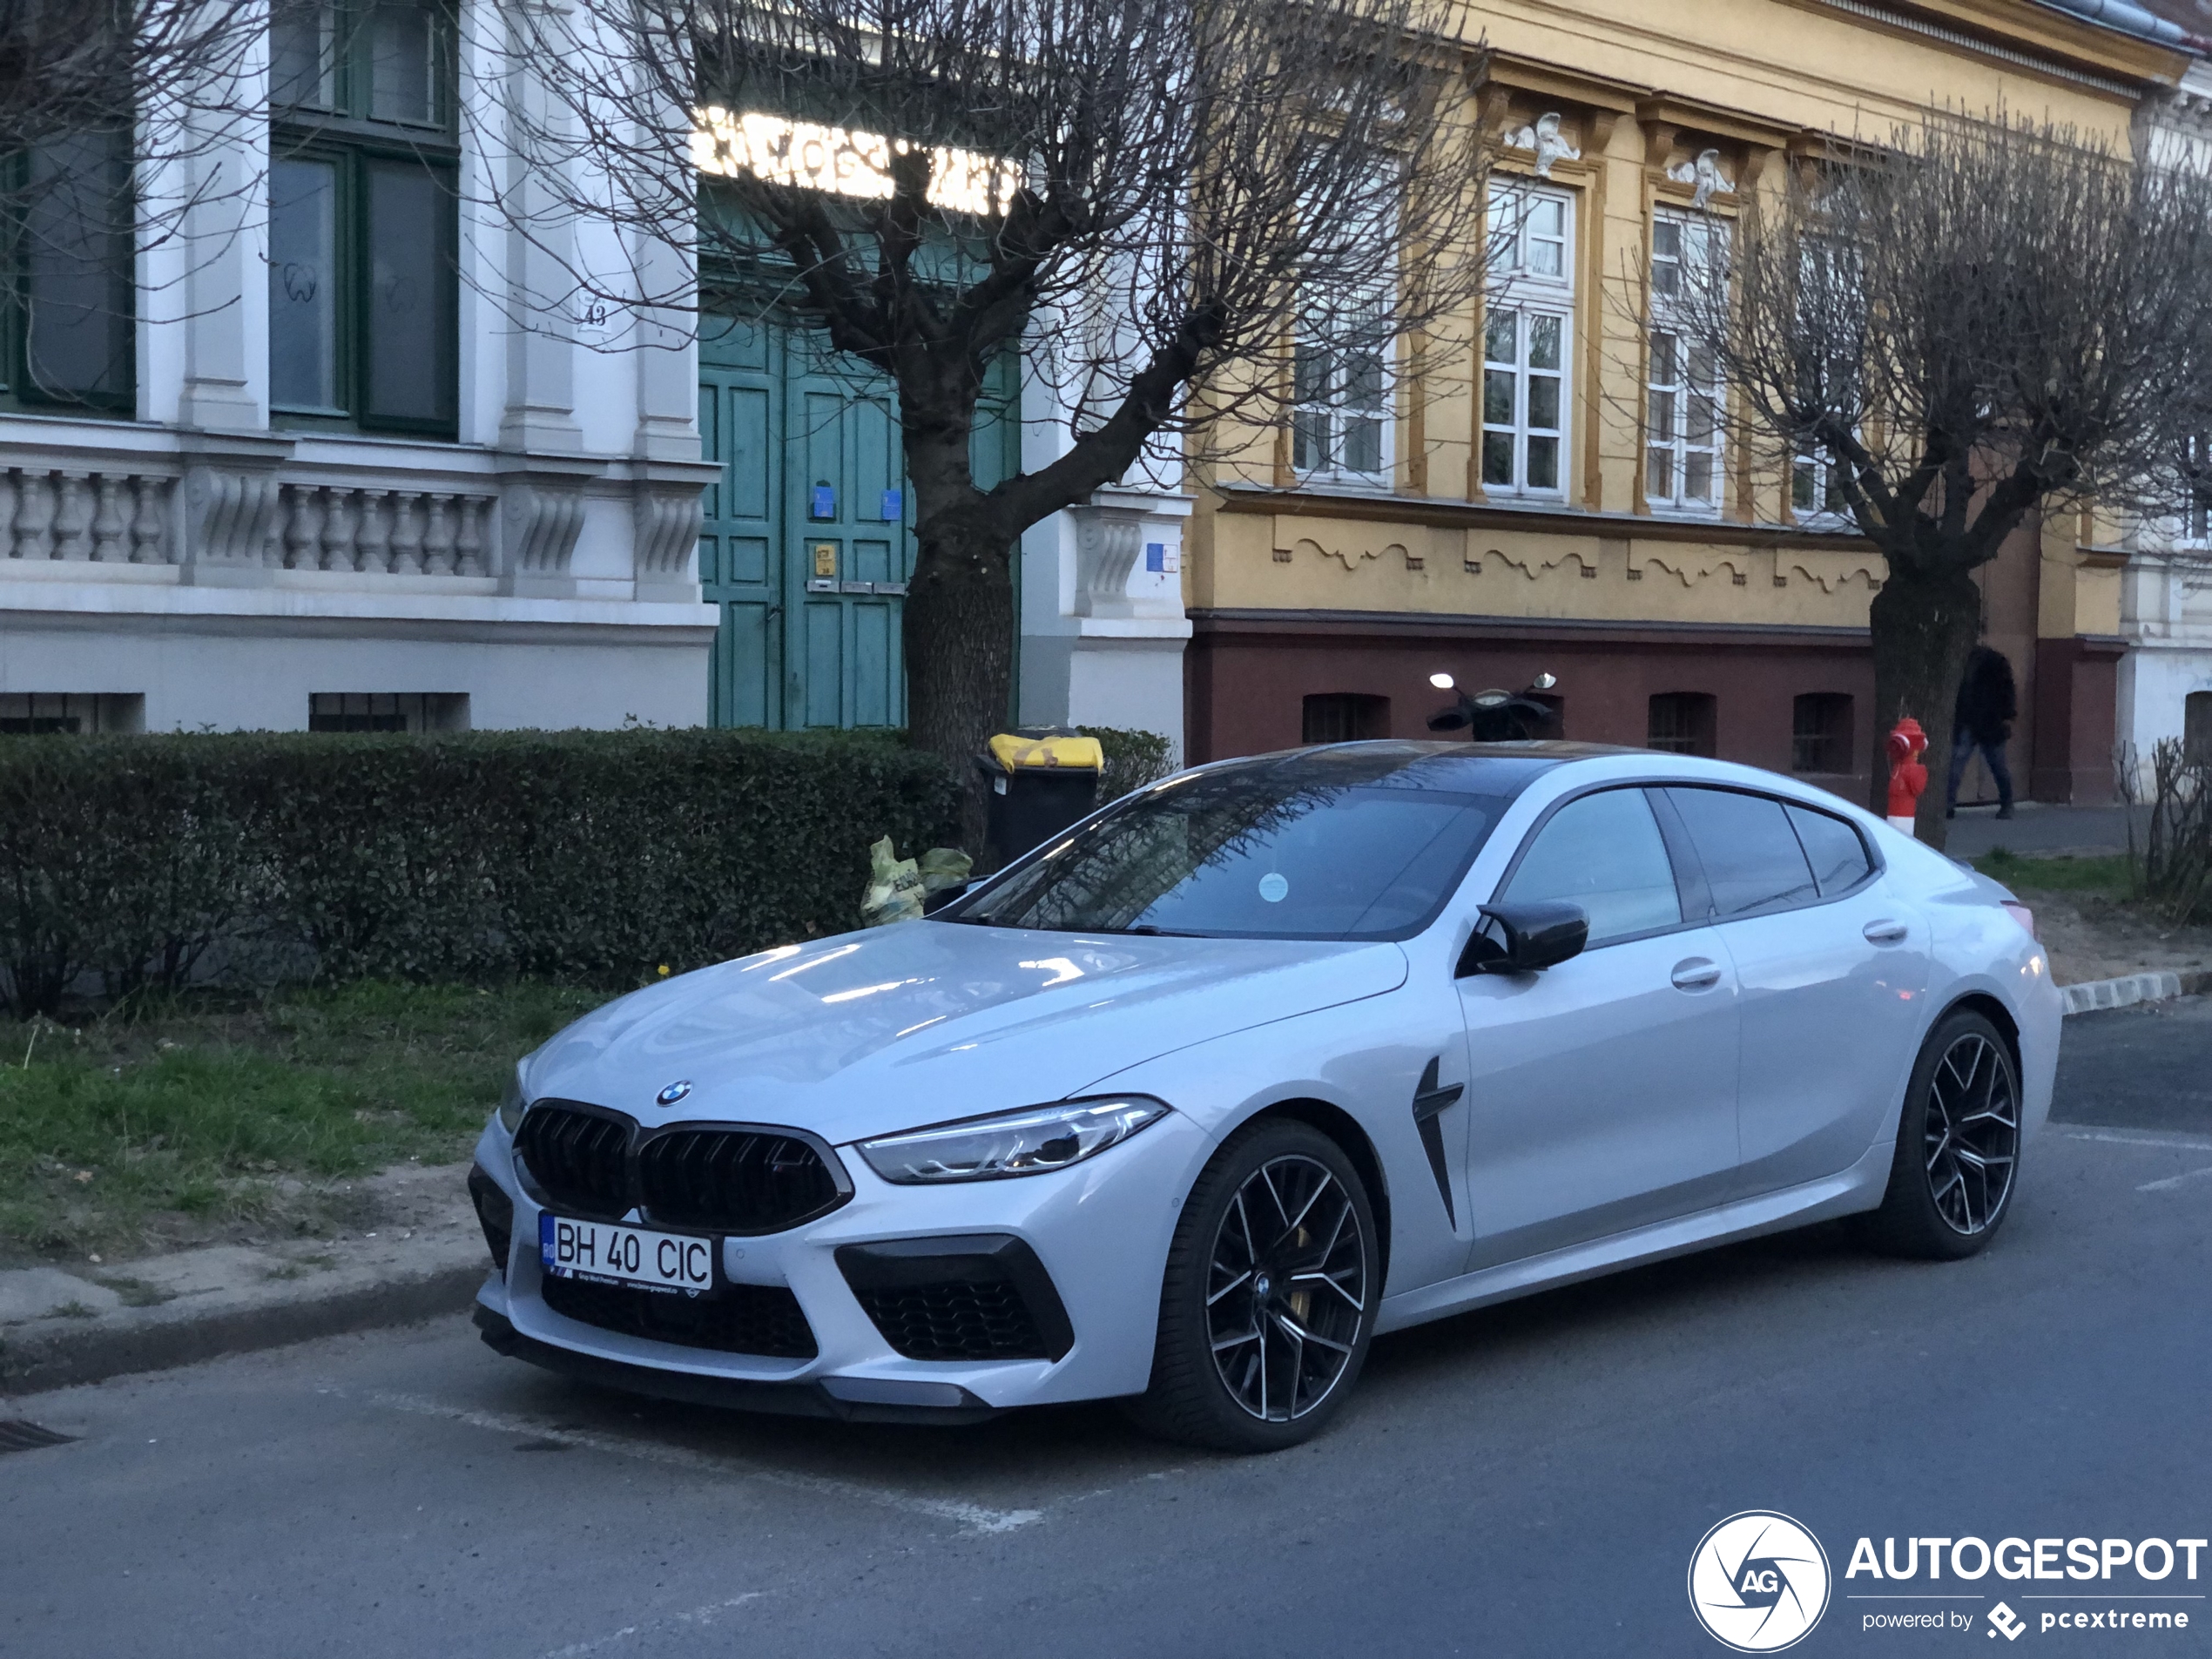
(1907, 776)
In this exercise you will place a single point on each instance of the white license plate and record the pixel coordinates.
(612, 1255)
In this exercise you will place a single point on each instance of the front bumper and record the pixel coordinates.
(1100, 1231)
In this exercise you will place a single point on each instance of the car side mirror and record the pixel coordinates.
(1523, 938)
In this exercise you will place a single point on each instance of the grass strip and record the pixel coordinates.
(208, 1117)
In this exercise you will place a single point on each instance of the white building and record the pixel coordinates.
(2165, 681)
(341, 464)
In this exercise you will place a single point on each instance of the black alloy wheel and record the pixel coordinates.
(1958, 1144)
(1269, 1299)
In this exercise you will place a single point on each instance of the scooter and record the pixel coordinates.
(1495, 715)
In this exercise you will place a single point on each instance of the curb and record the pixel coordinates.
(2131, 988)
(62, 1354)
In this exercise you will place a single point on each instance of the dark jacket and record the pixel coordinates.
(1987, 702)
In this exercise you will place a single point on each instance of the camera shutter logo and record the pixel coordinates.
(1758, 1581)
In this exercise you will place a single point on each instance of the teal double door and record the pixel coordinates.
(807, 543)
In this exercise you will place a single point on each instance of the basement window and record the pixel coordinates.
(388, 712)
(71, 714)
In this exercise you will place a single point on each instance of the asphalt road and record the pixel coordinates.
(1528, 1480)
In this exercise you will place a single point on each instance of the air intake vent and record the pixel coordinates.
(981, 1295)
(763, 1319)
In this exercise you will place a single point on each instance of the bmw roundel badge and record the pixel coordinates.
(673, 1093)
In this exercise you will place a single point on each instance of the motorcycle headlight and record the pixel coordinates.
(511, 1103)
(1034, 1141)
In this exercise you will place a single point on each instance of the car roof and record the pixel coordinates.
(1497, 769)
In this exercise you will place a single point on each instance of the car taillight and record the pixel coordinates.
(2022, 914)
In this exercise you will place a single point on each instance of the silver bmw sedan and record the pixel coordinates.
(1186, 1107)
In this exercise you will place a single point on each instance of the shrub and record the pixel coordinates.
(593, 855)
(1133, 759)
(2177, 844)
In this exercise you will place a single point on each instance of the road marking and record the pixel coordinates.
(969, 1517)
(697, 1615)
(2160, 1142)
(2174, 1180)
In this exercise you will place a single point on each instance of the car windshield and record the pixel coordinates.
(1361, 842)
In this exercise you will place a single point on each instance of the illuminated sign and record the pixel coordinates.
(846, 162)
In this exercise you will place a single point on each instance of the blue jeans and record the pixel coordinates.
(1963, 749)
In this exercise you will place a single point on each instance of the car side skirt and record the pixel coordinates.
(1859, 1188)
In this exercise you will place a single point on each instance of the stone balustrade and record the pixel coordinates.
(404, 532)
(92, 516)
(253, 518)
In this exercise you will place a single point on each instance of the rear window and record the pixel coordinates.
(1343, 844)
(1838, 856)
(1751, 857)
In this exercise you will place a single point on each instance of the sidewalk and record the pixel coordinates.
(2038, 831)
(60, 1326)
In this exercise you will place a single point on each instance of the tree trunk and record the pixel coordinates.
(1924, 626)
(958, 631)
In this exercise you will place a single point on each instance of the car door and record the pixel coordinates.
(1831, 970)
(1601, 1092)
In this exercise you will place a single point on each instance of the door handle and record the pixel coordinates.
(1695, 974)
(1885, 931)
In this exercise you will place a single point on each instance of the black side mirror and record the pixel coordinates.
(1522, 938)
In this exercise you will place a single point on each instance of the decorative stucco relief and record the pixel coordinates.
(1834, 576)
(1533, 568)
(1705, 177)
(1690, 565)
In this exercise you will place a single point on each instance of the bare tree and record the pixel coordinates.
(1977, 325)
(119, 120)
(1178, 212)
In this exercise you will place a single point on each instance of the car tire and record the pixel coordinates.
(1277, 1237)
(1957, 1163)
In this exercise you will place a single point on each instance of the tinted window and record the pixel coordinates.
(1750, 854)
(1838, 856)
(1338, 844)
(1604, 853)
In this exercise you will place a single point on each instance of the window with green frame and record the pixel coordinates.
(364, 291)
(68, 324)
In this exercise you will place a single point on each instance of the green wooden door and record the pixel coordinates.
(808, 543)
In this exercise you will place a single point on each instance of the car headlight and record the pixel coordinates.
(511, 1103)
(1032, 1142)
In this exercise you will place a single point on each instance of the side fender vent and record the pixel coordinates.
(1429, 1101)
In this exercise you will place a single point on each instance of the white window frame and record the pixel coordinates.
(2193, 522)
(1814, 497)
(1332, 412)
(1340, 397)
(1685, 416)
(1533, 286)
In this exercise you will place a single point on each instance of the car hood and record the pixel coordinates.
(919, 1021)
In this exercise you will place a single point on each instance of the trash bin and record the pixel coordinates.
(1041, 781)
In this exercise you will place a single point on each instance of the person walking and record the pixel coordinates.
(1982, 723)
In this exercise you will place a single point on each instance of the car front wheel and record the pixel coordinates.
(1958, 1145)
(1269, 1299)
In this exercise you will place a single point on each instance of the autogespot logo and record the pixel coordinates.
(1758, 1581)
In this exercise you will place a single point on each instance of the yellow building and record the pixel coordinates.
(1558, 502)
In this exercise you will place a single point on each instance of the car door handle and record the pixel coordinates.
(1695, 974)
(1885, 931)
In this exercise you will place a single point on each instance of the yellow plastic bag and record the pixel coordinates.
(943, 867)
(894, 888)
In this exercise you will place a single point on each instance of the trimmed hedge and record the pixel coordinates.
(473, 856)
(1134, 758)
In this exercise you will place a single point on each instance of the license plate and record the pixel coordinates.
(610, 1255)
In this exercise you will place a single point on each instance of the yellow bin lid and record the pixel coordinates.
(1071, 754)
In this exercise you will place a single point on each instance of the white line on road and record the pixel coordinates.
(697, 1615)
(2160, 1142)
(2174, 1180)
(969, 1517)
